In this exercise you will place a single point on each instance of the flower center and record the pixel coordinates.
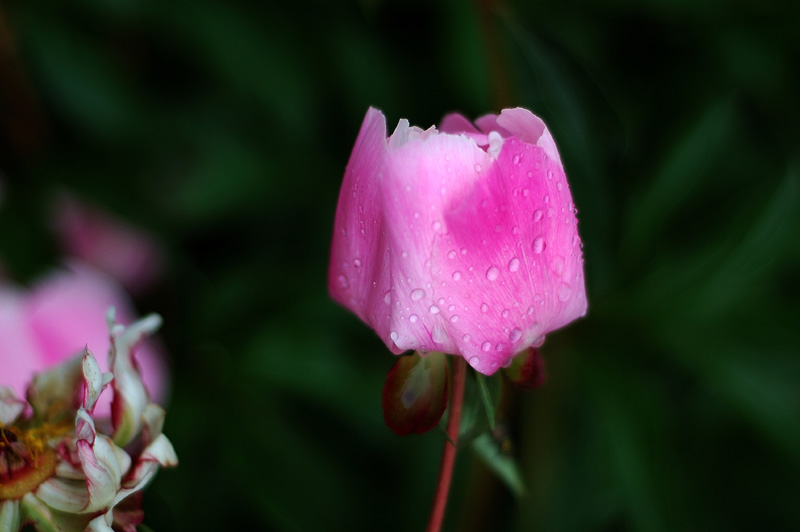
(26, 459)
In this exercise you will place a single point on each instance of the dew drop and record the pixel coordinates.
(456, 276)
(451, 254)
(526, 192)
(436, 225)
(537, 215)
(473, 361)
(357, 263)
(493, 273)
(387, 297)
(516, 159)
(484, 308)
(513, 264)
(416, 215)
(550, 212)
(559, 186)
(478, 168)
(505, 313)
(549, 174)
(499, 346)
(404, 254)
(466, 338)
(558, 266)
(417, 294)
(454, 318)
(530, 310)
(394, 336)
(463, 251)
(547, 199)
(451, 308)
(538, 244)
(564, 291)
(434, 309)
(343, 282)
(515, 335)
(413, 318)
(530, 174)
(485, 346)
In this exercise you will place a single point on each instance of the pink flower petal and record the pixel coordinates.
(19, 354)
(119, 249)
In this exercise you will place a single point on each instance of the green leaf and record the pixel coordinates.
(504, 466)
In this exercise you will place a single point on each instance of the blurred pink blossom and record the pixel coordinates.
(123, 251)
(58, 318)
(462, 240)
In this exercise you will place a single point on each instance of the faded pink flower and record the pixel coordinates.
(57, 319)
(462, 240)
(123, 251)
(63, 470)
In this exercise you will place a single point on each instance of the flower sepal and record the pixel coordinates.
(415, 393)
(527, 370)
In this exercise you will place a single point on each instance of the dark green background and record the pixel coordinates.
(223, 128)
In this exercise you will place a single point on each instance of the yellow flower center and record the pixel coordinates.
(26, 458)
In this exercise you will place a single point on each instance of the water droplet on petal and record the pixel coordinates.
(454, 318)
(493, 273)
(473, 361)
(513, 264)
(434, 309)
(499, 346)
(416, 215)
(558, 266)
(564, 291)
(387, 297)
(538, 244)
(526, 192)
(417, 294)
(343, 282)
(451, 308)
(516, 159)
(357, 263)
(485, 346)
(394, 336)
(466, 338)
(413, 318)
(478, 168)
(505, 313)
(456, 276)
(537, 215)
(484, 308)
(404, 254)
(463, 251)
(515, 335)
(549, 174)
(559, 186)
(436, 225)
(451, 254)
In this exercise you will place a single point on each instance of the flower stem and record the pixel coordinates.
(449, 450)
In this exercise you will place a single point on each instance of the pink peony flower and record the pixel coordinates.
(57, 319)
(125, 252)
(462, 240)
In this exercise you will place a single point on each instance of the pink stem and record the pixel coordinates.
(449, 450)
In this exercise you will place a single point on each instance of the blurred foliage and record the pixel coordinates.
(223, 128)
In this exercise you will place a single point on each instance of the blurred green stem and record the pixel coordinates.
(449, 450)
